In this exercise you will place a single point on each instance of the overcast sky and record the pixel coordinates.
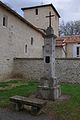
(69, 10)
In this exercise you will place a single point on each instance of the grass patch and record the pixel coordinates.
(58, 110)
(24, 88)
(3, 85)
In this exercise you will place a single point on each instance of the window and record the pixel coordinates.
(43, 51)
(78, 52)
(25, 48)
(31, 40)
(36, 11)
(5, 21)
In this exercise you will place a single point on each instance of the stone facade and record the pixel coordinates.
(40, 20)
(69, 50)
(67, 69)
(13, 39)
(59, 52)
(17, 34)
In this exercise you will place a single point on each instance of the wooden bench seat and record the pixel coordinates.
(18, 103)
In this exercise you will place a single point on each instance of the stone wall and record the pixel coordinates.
(67, 70)
(29, 68)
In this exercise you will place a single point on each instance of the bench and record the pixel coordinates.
(18, 103)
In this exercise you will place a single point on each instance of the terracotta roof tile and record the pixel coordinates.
(72, 39)
(67, 39)
(59, 41)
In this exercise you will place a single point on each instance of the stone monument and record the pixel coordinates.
(49, 87)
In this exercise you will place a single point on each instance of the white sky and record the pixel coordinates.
(69, 10)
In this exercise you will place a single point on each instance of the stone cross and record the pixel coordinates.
(50, 18)
(49, 87)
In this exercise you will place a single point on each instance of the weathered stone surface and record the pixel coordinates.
(20, 101)
(67, 70)
(31, 69)
(13, 39)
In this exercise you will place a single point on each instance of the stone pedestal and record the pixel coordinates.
(48, 93)
(49, 89)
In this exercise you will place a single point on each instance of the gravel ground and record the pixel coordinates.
(7, 114)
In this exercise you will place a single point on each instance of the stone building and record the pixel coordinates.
(37, 16)
(69, 46)
(19, 38)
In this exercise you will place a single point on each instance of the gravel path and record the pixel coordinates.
(7, 114)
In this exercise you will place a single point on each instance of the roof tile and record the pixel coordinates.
(67, 39)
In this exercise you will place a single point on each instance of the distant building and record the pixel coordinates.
(70, 45)
(59, 48)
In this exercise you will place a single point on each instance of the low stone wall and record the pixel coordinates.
(67, 70)
(29, 68)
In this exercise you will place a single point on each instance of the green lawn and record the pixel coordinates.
(14, 87)
(68, 109)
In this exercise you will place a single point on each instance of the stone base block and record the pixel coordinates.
(49, 93)
(49, 82)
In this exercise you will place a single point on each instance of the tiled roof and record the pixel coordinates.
(72, 39)
(59, 41)
(67, 39)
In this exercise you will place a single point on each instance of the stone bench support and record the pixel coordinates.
(36, 104)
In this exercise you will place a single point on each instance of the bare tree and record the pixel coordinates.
(70, 28)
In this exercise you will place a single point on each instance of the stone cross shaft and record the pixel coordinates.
(50, 18)
(49, 87)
